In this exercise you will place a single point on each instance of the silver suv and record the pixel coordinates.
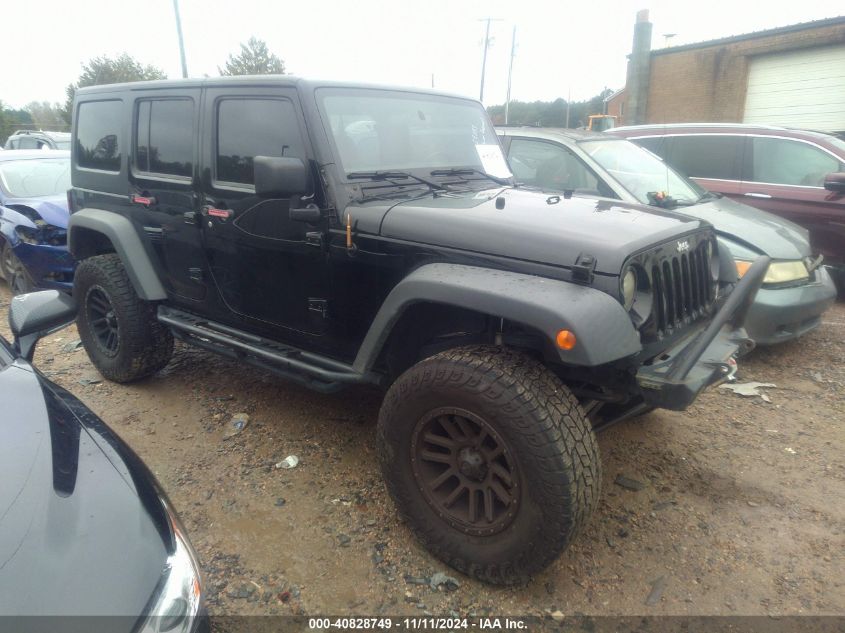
(38, 139)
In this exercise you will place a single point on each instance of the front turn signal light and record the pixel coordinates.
(565, 339)
(742, 267)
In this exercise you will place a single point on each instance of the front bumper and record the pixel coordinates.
(782, 314)
(676, 377)
(49, 267)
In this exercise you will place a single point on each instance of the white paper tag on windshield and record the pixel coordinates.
(493, 161)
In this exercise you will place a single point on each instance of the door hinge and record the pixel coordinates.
(314, 238)
(320, 306)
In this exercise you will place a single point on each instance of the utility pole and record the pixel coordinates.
(510, 74)
(484, 57)
(181, 41)
(568, 101)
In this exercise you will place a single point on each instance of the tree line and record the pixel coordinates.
(254, 58)
(549, 113)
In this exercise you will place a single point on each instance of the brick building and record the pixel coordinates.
(793, 75)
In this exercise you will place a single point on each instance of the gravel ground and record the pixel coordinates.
(733, 507)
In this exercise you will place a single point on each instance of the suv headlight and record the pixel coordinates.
(778, 272)
(28, 235)
(178, 598)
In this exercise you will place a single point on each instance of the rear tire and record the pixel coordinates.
(504, 428)
(118, 329)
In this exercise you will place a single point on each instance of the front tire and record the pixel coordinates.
(118, 329)
(14, 272)
(490, 460)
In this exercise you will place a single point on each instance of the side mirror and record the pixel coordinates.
(835, 182)
(34, 315)
(280, 177)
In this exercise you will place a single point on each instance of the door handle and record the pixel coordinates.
(223, 214)
(758, 195)
(146, 201)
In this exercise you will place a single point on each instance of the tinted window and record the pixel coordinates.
(707, 156)
(654, 144)
(549, 166)
(784, 162)
(97, 135)
(247, 128)
(164, 142)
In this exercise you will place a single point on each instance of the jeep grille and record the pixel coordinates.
(683, 291)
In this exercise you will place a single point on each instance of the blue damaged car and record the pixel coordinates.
(33, 220)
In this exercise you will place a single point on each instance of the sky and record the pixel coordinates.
(564, 49)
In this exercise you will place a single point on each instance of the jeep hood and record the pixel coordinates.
(536, 226)
(763, 232)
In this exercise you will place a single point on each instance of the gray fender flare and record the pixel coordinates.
(603, 330)
(127, 245)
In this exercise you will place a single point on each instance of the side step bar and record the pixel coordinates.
(310, 370)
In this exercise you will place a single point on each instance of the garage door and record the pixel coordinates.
(798, 89)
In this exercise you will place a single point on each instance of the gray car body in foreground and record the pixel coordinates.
(780, 312)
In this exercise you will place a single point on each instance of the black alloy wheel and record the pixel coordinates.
(465, 471)
(103, 320)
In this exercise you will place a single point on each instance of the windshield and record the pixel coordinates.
(35, 178)
(641, 172)
(380, 130)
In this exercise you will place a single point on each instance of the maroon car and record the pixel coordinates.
(797, 174)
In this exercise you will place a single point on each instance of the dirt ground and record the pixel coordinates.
(741, 509)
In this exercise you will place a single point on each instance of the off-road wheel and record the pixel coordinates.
(118, 329)
(490, 460)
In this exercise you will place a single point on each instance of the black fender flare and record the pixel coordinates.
(127, 245)
(603, 330)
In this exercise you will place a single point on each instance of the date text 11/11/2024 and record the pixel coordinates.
(418, 624)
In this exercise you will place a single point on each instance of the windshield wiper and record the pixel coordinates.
(395, 175)
(466, 171)
(709, 195)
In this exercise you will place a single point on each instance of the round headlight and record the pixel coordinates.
(629, 288)
(712, 260)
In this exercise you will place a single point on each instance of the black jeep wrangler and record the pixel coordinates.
(341, 234)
